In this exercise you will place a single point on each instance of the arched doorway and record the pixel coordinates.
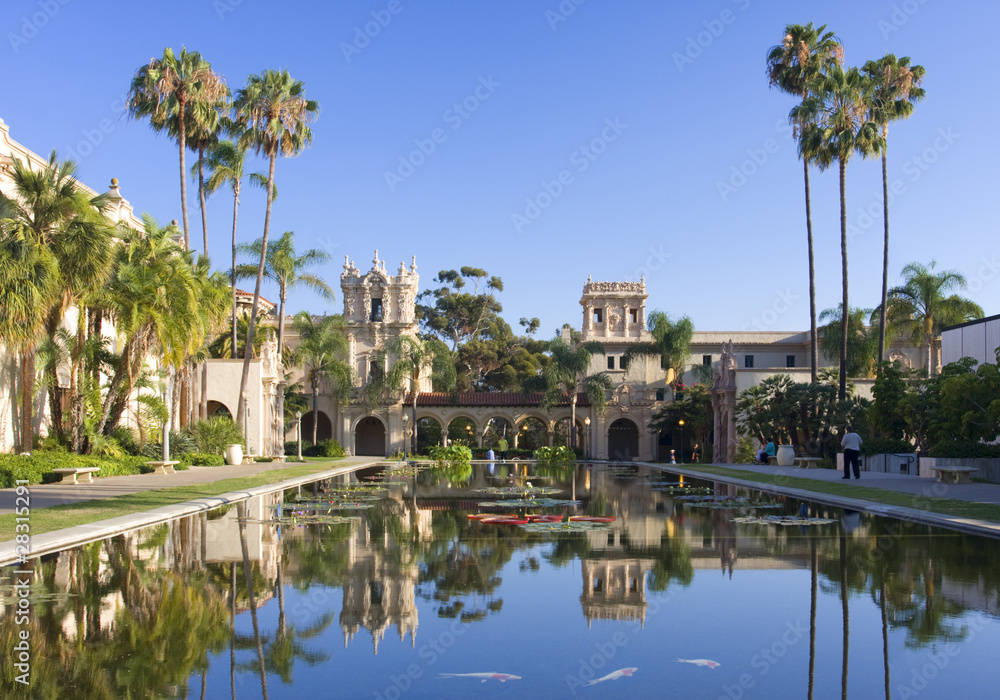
(623, 440)
(428, 433)
(532, 434)
(324, 429)
(369, 437)
(217, 409)
(463, 430)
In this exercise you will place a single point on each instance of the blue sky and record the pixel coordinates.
(545, 141)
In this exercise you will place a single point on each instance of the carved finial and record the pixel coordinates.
(375, 259)
(174, 223)
(590, 278)
(114, 182)
(413, 265)
(402, 268)
(347, 263)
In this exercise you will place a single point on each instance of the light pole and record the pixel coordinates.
(586, 440)
(681, 424)
(246, 422)
(406, 420)
(298, 431)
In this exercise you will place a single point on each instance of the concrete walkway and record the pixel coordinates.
(48, 495)
(898, 483)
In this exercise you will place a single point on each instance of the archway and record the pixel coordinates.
(562, 434)
(217, 409)
(429, 433)
(532, 434)
(369, 437)
(623, 440)
(324, 429)
(464, 430)
(497, 428)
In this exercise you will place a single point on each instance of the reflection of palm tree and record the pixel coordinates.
(242, 516)
(845, 611)
(812, 614)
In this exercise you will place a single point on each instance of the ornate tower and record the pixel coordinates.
(614, 311)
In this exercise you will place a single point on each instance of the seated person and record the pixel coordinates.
(769, 451)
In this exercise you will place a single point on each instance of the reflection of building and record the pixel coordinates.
(614, 589)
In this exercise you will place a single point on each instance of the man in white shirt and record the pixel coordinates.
(852, 451)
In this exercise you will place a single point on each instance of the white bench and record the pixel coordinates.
(808, 462)
(162, 467)
(955, 475)
(86, 472)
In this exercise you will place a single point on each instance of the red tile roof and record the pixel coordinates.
(473, 398)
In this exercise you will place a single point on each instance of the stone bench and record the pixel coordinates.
(162, 467)
(954, 475)
(86, 472)
(808, 462)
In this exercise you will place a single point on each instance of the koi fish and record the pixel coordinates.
(614, 675)
(700, 662)
(502, 677)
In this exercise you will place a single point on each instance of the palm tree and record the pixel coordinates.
(164, 90)
(225, 164)
(204, 122)
(566, 374)
(413, 360)
(321, 352)
(895, 89)
(862, 342)
(919, 307)
(272, 115)
(838, 106)
(286, 269)
(671, 343)
(803, 56)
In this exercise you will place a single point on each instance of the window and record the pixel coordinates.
(376, 314)
(375, 370)
(706, 359)
(623, 363)
(598, 315)
(748, 361)
(633, 315)
(659, 394)
(789, 360)
(611, 361)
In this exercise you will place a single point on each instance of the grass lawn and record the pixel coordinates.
(933, 504)
(59, 517)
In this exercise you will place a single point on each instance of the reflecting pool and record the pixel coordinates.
(380, 585)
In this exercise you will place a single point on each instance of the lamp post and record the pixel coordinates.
(298, 431)
(406, 420)
(681, 424)
(246, 422)
(586, 440)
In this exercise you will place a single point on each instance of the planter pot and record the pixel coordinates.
(786, 455)
(234, 454)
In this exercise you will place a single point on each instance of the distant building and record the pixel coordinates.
(977, 339)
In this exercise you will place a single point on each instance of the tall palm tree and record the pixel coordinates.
(286, 269)
(838, 106)
(321, 353)
(862, 341)
(804, 55)
(163, 91)
(919, 307)
(272, 115)
(204, 123)
(896, 87)
(671, 343)
(225, 163)
(413, 360)
(567, 373)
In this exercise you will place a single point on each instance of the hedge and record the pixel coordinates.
(963, 448)
(37, 468)
(205, 459)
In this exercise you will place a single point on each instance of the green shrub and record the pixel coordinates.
(963, 448)
(560, 453)
(205, 459)
(452, 453)
(214, 434)
(37, 468)
(886, 445)
(263, 459)
(746, 450)
(180, 443)
(292, 448)
(330, 448)
(126, 439)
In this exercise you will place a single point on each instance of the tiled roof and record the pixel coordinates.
(473, 398)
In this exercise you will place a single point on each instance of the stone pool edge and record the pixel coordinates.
(58, 540)
(951, 522)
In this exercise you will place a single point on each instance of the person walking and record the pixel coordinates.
(852, 451)
(502, 445)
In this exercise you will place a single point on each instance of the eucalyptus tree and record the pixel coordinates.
(895, 89)
(838, 106)
(671, 344)
(804, 54)
(272, 117)
(919, 307)
(322, 353)
(567, 373)
(411, 360)
(163, 90)
(225, 163)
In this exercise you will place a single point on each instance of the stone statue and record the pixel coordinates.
(724, 406)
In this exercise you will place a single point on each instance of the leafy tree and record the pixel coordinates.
(458, 315)
(694, 408)
(567, 373)
(671, 343)
(838, 106)
(272, 116)
(321, 352)
(919, 307)
(888, 392)
(895, 89)
(795, 64)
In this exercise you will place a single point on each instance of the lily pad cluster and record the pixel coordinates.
(724, 502)
(529, 503)
(782, 520)
(519, 490)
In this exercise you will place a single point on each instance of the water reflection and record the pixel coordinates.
(232, 600)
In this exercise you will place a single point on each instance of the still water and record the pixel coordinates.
(396, 593)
